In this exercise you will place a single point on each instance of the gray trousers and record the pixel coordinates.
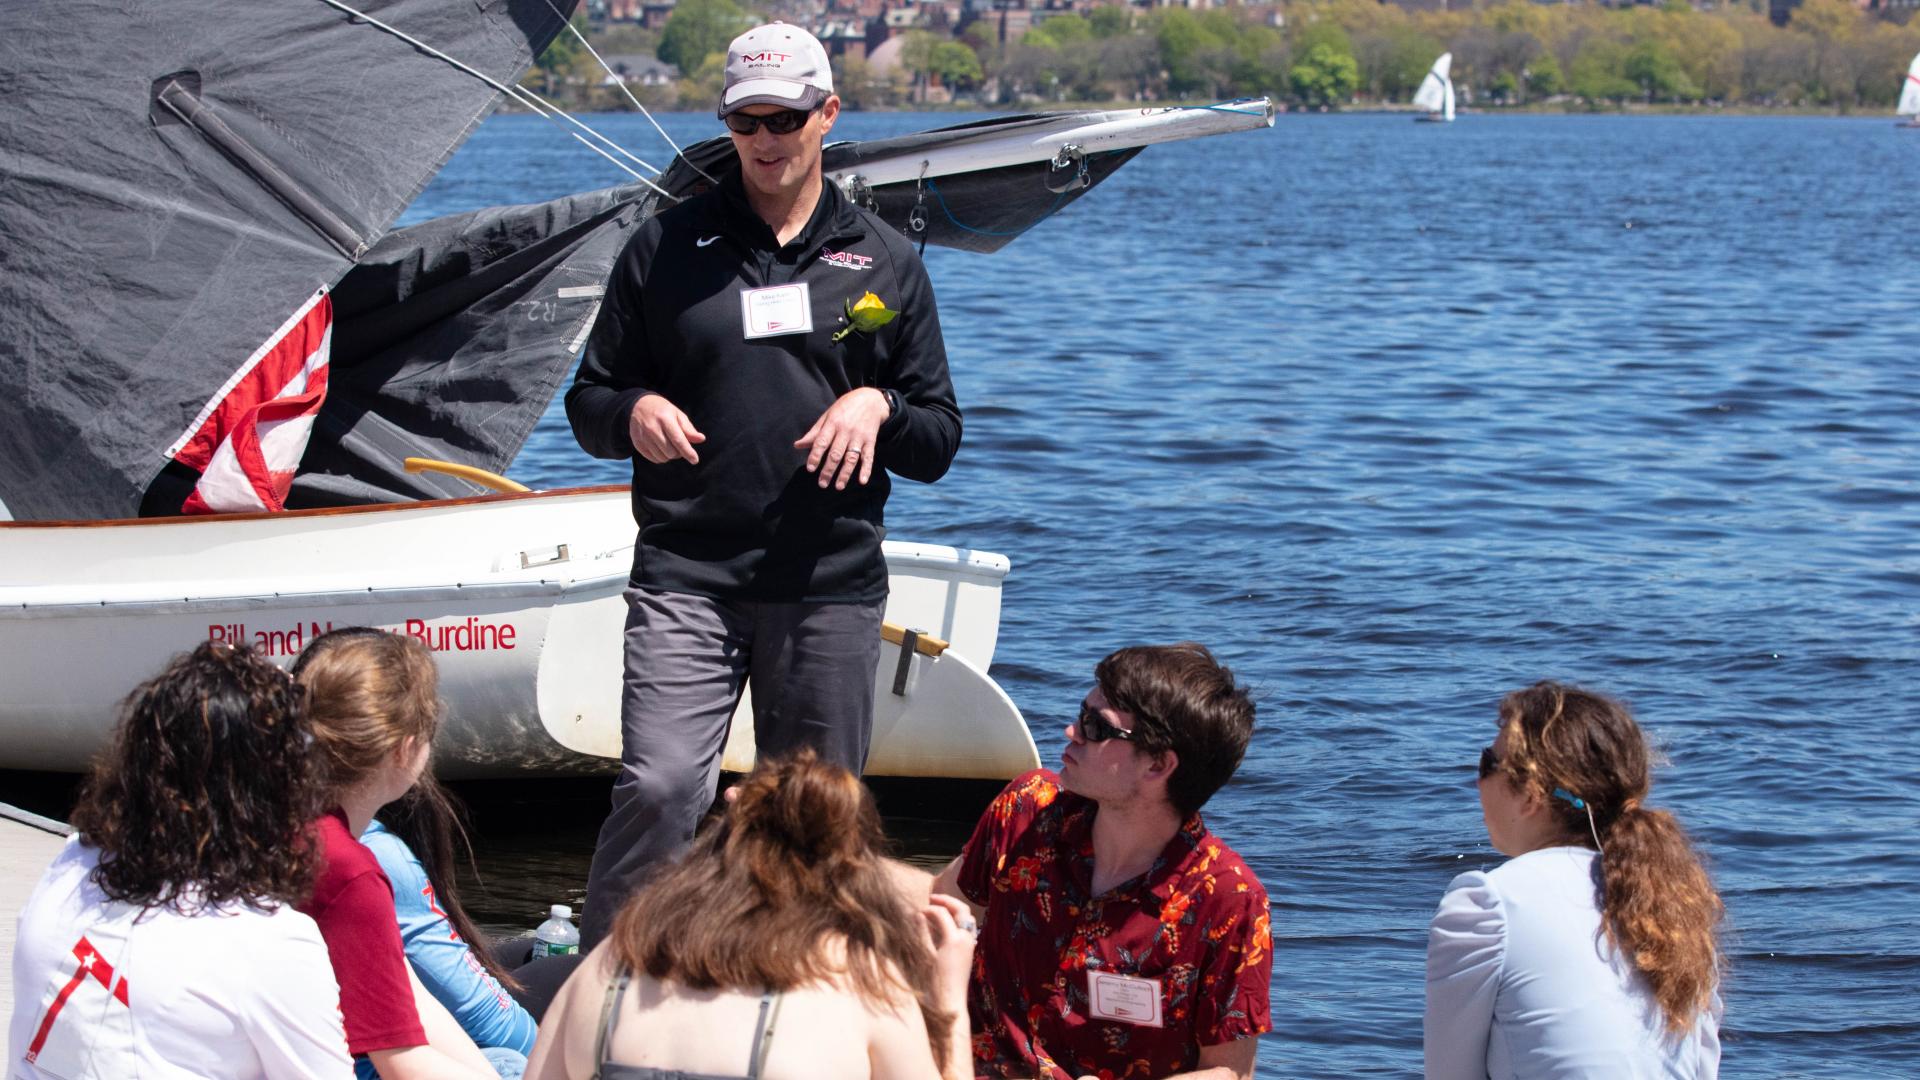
(688, 658)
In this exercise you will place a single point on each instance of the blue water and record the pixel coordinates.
(1398, 417)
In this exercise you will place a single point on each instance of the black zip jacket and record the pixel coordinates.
(749, 522)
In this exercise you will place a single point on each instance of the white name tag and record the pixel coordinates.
(776, 310)
(1124, 998)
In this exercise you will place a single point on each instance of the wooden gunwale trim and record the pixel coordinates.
(320, 512)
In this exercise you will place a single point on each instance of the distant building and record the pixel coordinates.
(843, 37)
(654, 13)
(641, 70)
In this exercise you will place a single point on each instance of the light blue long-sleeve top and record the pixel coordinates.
(446, 966)
(1523, 984)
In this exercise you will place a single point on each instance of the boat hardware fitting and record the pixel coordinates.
(1069, 157)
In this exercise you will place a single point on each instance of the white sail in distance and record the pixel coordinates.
(1436, 90)
(1910, 90)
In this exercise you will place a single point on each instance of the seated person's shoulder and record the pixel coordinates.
(1231, 872)
(1031, 791)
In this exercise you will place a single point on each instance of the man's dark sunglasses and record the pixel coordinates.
(1097, 728)
(1489, 762)
(784, 122)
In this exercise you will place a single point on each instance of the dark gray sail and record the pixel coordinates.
(176, 178)
(451, 337)
(978, 211)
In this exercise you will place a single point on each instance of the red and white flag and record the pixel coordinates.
(248, 440)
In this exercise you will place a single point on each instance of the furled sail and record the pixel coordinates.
(1436, 90)
(177, 181)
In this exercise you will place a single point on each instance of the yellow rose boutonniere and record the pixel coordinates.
(867, 314)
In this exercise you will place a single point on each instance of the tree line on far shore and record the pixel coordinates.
(1832, 55)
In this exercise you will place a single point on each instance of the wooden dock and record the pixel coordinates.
(28, 842)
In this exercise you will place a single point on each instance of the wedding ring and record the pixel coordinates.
(853, 451)
(970, 926)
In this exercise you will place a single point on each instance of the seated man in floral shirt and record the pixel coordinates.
(1119, 937)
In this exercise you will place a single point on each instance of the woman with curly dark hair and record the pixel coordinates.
(781, 946)
(1593, 951)
(164, 935)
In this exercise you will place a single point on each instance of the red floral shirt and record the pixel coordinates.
(1195, 925)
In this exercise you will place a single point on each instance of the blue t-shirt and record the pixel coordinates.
(446, 966)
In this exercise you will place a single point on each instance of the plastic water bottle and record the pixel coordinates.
(556, 936)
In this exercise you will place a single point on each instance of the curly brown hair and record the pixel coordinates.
(1658, 902)
(205, 794)
(790, 872)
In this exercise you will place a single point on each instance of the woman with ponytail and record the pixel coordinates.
(780, 946)
(1593, 951)
(373, 702)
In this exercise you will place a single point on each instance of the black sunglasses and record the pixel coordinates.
(784, 122)
(1489, 762)
(1097, 728)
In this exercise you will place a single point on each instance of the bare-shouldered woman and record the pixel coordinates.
(780, 947)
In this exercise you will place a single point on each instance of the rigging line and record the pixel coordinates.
(531, 102)
(530, 97)
(1221, 106)
(1058, 201)
(622, 83)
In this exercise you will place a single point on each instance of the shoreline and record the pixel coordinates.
(1283, 110)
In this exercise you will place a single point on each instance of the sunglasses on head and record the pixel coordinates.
(784, 122)
(1489, 762)
(1097, 728)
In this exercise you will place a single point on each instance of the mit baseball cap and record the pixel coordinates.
(776, 64)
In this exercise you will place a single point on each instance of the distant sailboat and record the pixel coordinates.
(1910, 95)
(1436, 92)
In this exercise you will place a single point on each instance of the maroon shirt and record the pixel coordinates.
(1196, 924)
(353, 904)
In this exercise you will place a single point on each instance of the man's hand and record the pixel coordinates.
(839, 445)
(661, 432)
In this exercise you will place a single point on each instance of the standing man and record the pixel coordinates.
(1118, 936)
(766, 355)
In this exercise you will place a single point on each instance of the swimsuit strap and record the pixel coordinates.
(609, 1016)
(763, 1034)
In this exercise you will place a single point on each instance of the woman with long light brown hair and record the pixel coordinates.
(373, 705)
(781, 946)
(1594, 950)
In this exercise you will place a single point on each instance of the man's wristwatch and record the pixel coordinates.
(894, 404)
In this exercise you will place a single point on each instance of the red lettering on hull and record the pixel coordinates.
(469, 635)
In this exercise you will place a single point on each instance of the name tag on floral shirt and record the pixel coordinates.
(1124, 998)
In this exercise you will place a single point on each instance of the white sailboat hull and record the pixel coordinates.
(520, 596)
